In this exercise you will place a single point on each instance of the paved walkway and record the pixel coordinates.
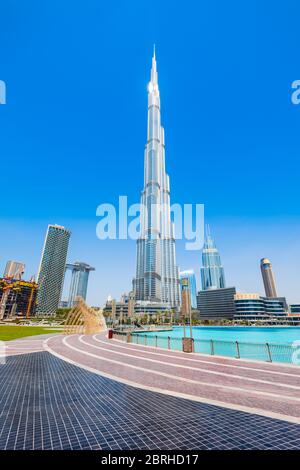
(271, 390)
(47, 403)
(25, 345)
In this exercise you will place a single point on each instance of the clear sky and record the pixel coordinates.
(73, 130)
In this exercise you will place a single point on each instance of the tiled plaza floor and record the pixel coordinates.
(47, 403)
(272, 390)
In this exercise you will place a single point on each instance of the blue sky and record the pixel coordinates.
(73, 130)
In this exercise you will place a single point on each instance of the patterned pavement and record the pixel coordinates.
(26, 345)
(271, 390)
(48, 403)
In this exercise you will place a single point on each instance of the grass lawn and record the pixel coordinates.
(8, 333)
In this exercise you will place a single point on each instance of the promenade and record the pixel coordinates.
(88, 392)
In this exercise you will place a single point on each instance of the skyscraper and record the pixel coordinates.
(189, 275)
(52, 269)
(268, 278)
(212, 272)
(14, 270)
(157, 278)
(79, 281)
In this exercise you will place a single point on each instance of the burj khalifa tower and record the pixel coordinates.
(157, 277)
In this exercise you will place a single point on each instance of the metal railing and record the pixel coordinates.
(268, 352)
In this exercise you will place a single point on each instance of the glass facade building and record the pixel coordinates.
(190, 277)
(157, 277)
(255, 307)
(216, 303)
(295, 308)
(79, 281)
(52, 269)
(212, 272)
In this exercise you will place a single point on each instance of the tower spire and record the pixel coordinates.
(208, 235)
(154, 80)
(209, 242)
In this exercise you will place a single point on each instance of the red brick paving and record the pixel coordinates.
(276, 388)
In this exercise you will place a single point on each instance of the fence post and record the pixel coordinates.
(145, 340)
(137, 339)
(269, 352)
(212, 350)
(238, 350)
(156, 341)
(169, 342)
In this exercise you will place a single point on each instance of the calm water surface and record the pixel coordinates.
(251, 334)
(275, 344)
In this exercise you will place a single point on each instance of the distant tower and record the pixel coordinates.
(189, 275)
(79, 281)
(268, 278)
(212, 272)
(52, 269)
(14, 270)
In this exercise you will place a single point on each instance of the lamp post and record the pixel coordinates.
(121, 318)
(191, 327)
(186, 309)
(183, 319)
